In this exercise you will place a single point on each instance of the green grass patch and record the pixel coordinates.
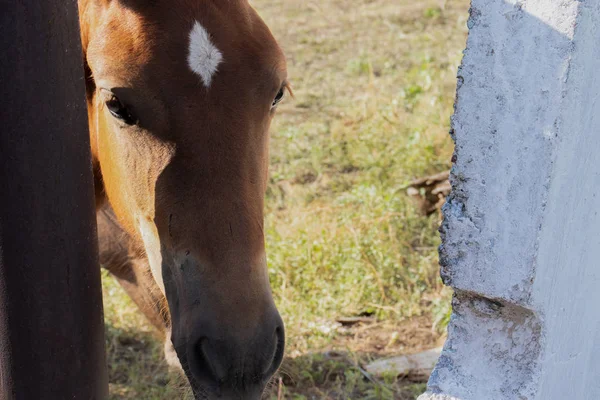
(374, 90)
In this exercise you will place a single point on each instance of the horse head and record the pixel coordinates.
(181, 95)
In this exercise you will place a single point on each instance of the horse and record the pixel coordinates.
(180, 97)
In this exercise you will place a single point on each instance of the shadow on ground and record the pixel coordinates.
(338, 375)
(136, 367)
(137, 370)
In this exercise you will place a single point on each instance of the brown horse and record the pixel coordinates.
(180, 96)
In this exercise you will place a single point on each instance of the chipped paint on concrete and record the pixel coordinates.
(492, 351)
(521, 234)
(505, 130)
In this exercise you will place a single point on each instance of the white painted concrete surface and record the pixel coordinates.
(521, 236)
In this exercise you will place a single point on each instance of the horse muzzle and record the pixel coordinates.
(227, 333)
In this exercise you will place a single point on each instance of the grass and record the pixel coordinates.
(374, 89)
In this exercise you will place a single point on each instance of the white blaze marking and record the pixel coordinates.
(203, 57)
(151, 241)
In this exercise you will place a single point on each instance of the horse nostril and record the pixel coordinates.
(221, 364)
(203, 363)
(278, 354)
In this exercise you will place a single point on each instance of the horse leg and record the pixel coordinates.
(119, 255)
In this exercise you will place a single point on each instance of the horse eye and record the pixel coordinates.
(119, 111)
(279, 97)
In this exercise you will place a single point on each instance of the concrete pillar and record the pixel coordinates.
(521, 231)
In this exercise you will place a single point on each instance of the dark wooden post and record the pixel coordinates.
(51, 322)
